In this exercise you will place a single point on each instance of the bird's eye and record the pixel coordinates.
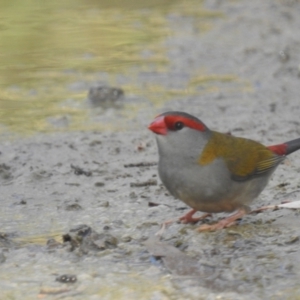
(178, 125)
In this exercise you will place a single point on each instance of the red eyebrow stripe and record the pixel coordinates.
(170, 121)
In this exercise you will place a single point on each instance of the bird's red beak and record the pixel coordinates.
(158, 126)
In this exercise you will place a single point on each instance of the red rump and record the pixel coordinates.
(278, 149)
(171, 120)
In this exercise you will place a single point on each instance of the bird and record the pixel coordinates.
(210, 171)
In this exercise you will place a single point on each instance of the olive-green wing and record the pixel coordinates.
(244, 158)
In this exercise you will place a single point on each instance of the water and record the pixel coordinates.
(52, 52)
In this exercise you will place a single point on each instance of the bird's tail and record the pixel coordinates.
(286, 148)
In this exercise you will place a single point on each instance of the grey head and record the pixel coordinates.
(180, 137)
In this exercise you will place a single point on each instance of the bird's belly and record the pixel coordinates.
(211, 189)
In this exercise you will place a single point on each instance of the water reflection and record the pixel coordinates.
(51, 52)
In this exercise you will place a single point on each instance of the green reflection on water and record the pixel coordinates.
(60, 35)
(46, 45)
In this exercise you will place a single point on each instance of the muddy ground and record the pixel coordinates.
(53, 183)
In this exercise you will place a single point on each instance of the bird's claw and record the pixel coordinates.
(227, 222)
(188, 218)
(214, 227)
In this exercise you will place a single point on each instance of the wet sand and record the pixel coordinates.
(51, 183)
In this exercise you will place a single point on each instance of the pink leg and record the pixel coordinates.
(188, 217)
(227, 222)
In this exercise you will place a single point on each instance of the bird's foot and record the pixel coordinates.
(163, 227)
(188, 218)
(214, 227)
(227, 222)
